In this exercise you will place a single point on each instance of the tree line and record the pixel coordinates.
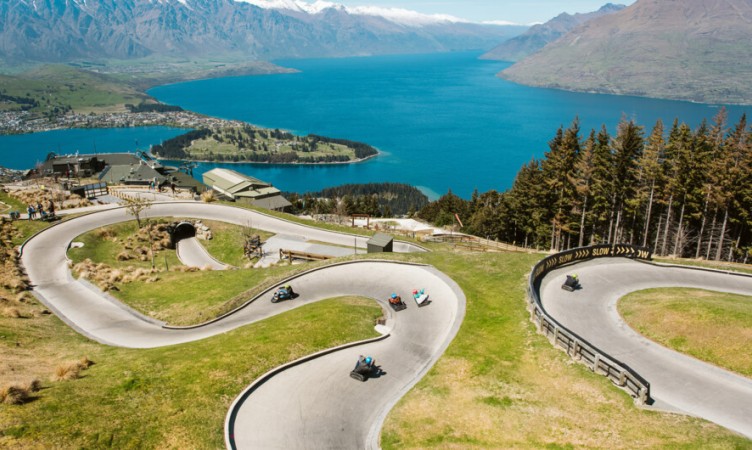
(681, 191)
(375, 199)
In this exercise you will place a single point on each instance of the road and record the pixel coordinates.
(678, 382)
(192, 254)
(331, 409)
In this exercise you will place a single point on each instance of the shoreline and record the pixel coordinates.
(334, 163)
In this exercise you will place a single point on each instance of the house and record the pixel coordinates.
(245, 189)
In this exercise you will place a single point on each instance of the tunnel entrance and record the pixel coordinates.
(182, 230)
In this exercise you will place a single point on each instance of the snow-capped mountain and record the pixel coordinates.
(67, 30)
(397, 15)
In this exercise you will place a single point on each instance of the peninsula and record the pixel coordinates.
(238, 142)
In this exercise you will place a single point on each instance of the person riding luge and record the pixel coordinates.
(420, 297)
(283, 293)
(395, 301)
(363, 368)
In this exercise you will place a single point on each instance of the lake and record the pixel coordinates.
(441, 121)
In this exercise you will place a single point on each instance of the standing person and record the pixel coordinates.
(51, 207)
(39, 208)
(30, 210)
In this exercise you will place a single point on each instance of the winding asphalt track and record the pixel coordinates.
(192, 254)
(313, 405)
(678, 382)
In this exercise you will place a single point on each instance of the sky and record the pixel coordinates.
(517, 11)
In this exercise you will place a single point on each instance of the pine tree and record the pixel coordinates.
(650, 168)
(581, 179)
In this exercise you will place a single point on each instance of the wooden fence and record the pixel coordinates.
(293, 254)
(475, 243)
(576, 347)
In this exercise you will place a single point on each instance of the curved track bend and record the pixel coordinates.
(678, 382)
(312, 405)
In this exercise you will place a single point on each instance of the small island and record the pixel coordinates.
(248, 144)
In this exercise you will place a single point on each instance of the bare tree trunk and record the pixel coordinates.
(611, 219)
(553, 234)
(679, 231)
(735, 246)
(647, 216)
(710, 237)
(582, 222)
(702, 226)
(658, 233)
(722, 236)
(668, 221)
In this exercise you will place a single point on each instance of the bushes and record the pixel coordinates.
(15, 394)
(71, 370)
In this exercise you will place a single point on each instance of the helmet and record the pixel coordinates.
(415, 291)
(368, 360)
(394, 295)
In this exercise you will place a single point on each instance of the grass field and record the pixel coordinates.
(712, 326)
(172, 397)
(58, 88)
(499, 385)
(227, 242)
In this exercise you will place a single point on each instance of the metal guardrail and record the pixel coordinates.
(576, 347)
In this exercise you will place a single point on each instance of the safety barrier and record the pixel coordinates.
(293, 254)
(474, 243)
(576, 347)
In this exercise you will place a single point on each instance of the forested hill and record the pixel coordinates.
(685, 192)
(376, 199)
(251, 144)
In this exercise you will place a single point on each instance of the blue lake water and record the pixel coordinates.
(23, 151)
(441, 121)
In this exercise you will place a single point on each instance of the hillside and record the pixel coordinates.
(538, 36)
(78, 30)
(696, 50)
(58, 89)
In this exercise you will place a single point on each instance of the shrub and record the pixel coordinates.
(67, 371)
(85, 362)
(208, 196)
(124, 256)
(34, 385)
(14, 395)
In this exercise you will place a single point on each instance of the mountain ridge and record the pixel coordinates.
(538, 36)
(693, 50)
(70, 30)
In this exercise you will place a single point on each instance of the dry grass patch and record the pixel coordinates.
(33, 195)
(712, 326)
(71, 370)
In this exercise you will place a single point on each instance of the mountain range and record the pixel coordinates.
(538, 36)
(696, 50)
(74, 30)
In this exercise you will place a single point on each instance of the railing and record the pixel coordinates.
(474, 243)
(579, 349)
(293, 254)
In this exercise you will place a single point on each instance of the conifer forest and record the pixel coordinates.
(676, 190)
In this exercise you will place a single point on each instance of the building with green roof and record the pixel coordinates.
(245, 189)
